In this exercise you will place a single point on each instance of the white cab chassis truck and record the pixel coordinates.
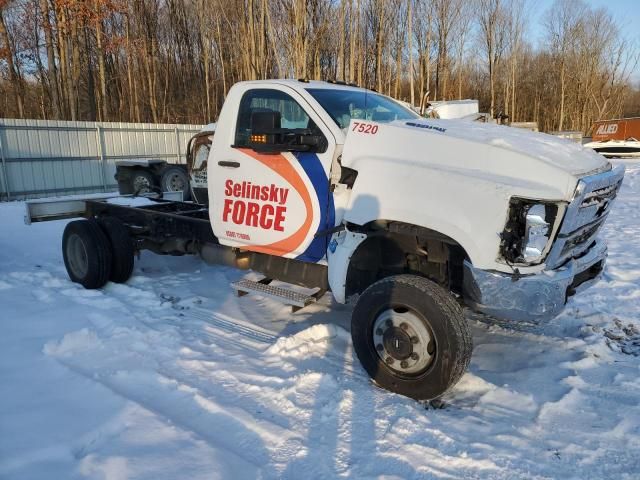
(337, 188)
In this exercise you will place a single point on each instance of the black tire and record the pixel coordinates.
(87, 253)
(122, 248)
(142, 182)
(175, 179)
(430, 307)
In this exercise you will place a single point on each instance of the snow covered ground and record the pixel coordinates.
(170, 376)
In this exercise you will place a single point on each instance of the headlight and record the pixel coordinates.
(527, 234)
(537, 231)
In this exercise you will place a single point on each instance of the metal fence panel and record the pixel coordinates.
(41, 158)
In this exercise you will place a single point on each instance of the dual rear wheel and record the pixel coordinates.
(97, 251)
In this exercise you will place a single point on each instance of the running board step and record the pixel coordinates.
(297, 300)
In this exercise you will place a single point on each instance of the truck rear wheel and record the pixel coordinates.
(87, 253)
(122, 248)
(411, 336)
(175, 179)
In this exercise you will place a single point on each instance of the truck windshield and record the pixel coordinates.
(344, 105)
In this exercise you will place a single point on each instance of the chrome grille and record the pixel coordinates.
(600, 196)
(582, 239)
(585, 215)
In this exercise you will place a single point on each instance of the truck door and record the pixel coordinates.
(273, 203)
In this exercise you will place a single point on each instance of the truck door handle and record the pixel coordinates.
(223, 163)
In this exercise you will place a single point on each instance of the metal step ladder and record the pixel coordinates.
(297, 300)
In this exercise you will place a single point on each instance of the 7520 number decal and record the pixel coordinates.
(365, 128)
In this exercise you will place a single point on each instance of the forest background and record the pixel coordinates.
(172, 61)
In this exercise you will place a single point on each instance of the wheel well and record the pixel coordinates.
(394, 248)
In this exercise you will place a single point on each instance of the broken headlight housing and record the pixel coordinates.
(527, 234)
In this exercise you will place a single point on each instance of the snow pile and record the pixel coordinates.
(172, 376)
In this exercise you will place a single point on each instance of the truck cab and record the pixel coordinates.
(362, 188)
(340, 176)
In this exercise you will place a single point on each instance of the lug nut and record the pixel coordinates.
(415, 356)
(431, 347)
(379, 347)
(389, 323)
(389, 360)
(415, 340)
(404, 364)
(404, 326)
(379, 331)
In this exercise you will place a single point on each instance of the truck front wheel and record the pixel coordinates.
(411, 336)
(87, 253)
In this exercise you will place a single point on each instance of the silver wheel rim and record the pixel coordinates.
(403, 341)
(175, 183)
(77, 256)
(141, 184)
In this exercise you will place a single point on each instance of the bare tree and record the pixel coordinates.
(491, 19)
(564, 22)
(9, 53)
(174, 60)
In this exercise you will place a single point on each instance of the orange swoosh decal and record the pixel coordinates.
(279, 164)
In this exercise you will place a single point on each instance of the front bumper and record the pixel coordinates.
(532, 298)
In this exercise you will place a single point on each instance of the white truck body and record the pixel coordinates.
(452, 177)
(333, 187)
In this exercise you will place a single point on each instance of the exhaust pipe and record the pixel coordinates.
(215, 254)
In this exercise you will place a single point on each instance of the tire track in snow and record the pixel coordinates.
(191, 328)
(244, 337)
(232, 325)
(220, 327)
(187, 413)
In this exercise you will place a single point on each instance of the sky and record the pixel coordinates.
(626, 13)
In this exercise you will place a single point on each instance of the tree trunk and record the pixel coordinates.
(340, 75)
(353, 33)
(91, 88)
(562, 90)
(51, 60)
(379, 79)
(410, 33)
(102, 76)
(16, 78)
(133, 93)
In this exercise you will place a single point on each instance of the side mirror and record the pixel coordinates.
(267, 136)
(263, 121)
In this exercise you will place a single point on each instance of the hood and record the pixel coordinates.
(514, 161)
(558, 152)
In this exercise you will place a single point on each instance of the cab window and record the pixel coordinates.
(344, 105)
(292, 114)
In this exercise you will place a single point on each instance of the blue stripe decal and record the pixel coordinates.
(311, 165)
